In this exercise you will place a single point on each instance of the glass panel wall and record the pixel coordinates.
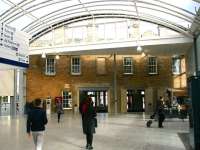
(103, 30)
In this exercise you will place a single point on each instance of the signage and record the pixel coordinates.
(13, 46)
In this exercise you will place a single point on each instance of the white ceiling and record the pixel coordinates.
(35, 16)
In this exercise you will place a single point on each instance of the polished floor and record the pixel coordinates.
(114, 132)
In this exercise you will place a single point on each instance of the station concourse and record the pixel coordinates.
(130, 56)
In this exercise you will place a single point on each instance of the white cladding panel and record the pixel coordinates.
(6, 82)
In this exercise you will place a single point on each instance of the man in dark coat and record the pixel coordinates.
(161, 117)
(36, 121)
(88, 120)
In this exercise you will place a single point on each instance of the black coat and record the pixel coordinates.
(161, 115)
(36, 120)
(88, 120)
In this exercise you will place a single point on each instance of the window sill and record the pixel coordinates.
(127, 73)
(67, 108)
(48, 74)
(75, 74)
(152, 73)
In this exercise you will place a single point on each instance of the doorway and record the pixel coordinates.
(5, 105)
(135, 100)
(99, 97)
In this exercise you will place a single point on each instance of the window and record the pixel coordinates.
(78, 34)
(183, 67)
(68, 35)
(67, 99)
(75, 65)
(152, 65)
(128, 65)
(110, 31)
(121, 30)
(58, 36)
(101, 65)
(100, 32)
(176, 65)
(4, 99)
(50, 66)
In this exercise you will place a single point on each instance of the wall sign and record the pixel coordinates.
(13, 46)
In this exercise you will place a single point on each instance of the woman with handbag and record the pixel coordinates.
(59, 109)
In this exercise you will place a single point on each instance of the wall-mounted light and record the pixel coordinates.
(139, 48)
(57, 56)
(43, 55)
(143, 54)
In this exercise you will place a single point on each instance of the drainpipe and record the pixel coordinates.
(195, 56)
(115, 82)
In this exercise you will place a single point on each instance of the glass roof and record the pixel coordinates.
(38, 16)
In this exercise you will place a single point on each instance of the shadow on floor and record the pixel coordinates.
(185, 139)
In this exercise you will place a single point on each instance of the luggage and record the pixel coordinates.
(153, 116)
(148, 124)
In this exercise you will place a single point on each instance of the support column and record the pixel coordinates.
(13, 103)
(19, 92)
(22, 88)
(195, 56)
(115, 82)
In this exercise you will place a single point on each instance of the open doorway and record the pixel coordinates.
(99, 97)
(135, 100)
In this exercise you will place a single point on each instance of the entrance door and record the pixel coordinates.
(99, 98)
(135, 101)
(4, 105)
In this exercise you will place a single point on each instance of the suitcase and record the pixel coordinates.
(148, 124)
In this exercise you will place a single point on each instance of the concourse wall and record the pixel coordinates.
(43, 86)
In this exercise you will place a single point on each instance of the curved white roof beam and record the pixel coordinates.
(47, 19)
(52, 2)
(29, 7)
(55, 15)
(153, 20)
(12, 18)
(52, 20)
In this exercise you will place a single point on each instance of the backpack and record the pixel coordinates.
(84, 108)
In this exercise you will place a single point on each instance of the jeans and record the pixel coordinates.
(59, 114)
(38, 138)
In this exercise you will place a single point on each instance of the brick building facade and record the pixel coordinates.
(94, 77)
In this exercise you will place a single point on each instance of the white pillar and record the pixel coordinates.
(20, 92)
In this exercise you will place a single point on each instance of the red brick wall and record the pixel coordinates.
(40, 85)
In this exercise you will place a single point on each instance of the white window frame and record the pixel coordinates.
(128, 65)
(173, 66)
(48, 67)
(74, 65)
(153, 65)
(67, 99)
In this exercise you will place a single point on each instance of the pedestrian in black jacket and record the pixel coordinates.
(89, 121)
(36, 121)
(161, 117)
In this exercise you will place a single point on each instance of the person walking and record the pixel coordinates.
(89, 121)
(59, 109)
(161, 117)
(36, 121)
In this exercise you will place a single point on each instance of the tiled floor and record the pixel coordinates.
(114, 132)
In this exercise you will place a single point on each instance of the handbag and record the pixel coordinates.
(95, 122)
